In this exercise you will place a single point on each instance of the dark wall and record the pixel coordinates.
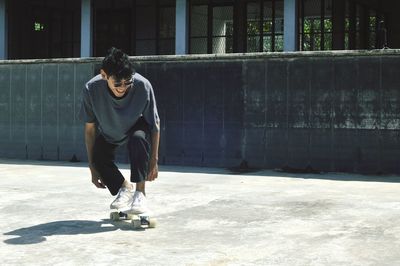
(330, 111)
(327, 113)
(39, 101)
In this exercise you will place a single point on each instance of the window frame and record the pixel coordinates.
(321, 31)
(211, 4)
(272, 34)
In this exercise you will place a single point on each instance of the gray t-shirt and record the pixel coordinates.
(113, 116)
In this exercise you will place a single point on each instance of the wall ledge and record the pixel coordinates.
(219, 57)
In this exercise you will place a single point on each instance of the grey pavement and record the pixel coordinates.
(51, 214)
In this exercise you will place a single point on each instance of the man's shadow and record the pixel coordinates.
(37, 234)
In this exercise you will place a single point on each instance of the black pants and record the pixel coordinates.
(139, 154)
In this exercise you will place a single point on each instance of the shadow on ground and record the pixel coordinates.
(38, 233)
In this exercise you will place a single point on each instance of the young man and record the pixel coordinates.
(119, 107)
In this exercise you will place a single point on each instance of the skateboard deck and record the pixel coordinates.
(142, 220)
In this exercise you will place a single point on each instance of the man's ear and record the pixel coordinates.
(103, 74)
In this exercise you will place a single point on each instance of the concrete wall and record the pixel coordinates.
(39, 101)
(331, 111)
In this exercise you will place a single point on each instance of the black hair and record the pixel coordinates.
(117, 64)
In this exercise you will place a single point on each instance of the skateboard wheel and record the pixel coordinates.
(136, 224)
(152, 223)
(114, 216)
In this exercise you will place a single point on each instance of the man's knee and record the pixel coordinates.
(138, 141)
(138, 136)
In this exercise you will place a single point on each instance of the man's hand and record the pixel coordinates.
(90, 136)
(96, 180)
(153, 170)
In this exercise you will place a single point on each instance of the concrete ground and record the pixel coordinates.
(52, 215)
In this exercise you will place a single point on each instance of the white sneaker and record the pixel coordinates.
(124, 200)
(139, 204)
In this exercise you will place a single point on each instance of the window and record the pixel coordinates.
(381, 39)
(141, 27)
(372, 28)
(198, 29)
(166, 32)
(38, 29)
(265, 26)
(316, 25)
(155, 27)
(145, 28)
(377, 38)
(211, 27)
(117, 33)
(112, 26)
(222, 33)
(362, 24)
(38, 26)
(352, 26)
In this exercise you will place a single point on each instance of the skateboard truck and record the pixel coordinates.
(137, 220)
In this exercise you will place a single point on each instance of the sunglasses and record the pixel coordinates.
(126, 83)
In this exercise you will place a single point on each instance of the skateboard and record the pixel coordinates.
(137, 220)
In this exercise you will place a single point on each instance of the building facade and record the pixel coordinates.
(32, 29)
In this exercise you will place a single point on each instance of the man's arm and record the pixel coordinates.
(153, 169)
(90, 136)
